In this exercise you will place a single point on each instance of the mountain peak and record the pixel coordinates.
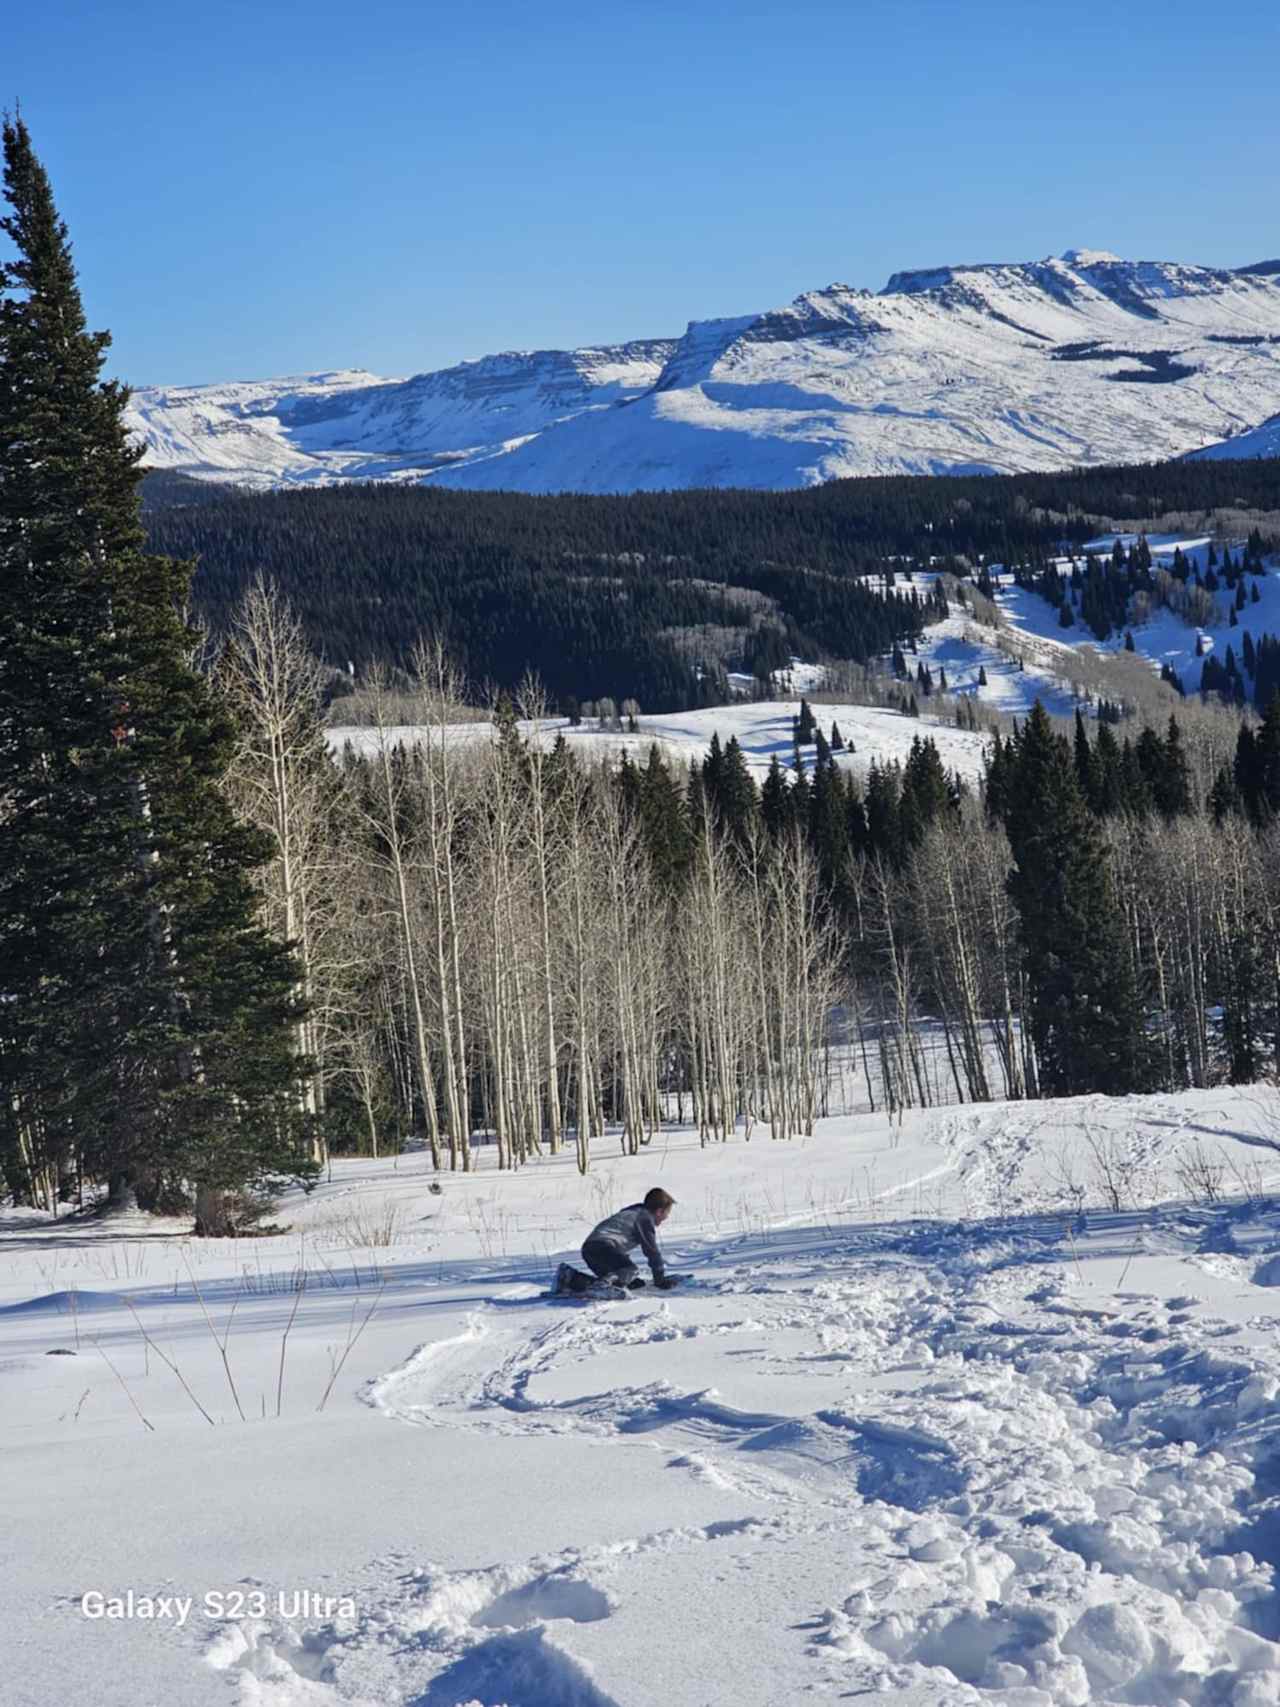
(1090, 258)
(982, 367)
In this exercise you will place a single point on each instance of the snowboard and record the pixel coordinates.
(571, 1283)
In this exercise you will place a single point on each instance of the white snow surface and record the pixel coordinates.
(763, 728)
(992, 368)
(938, 1422)
(1262, 440)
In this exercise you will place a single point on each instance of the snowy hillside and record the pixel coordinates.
(1263, 440)
(976, 1409)
(1037, 657)
(356, 426)
(989, 368)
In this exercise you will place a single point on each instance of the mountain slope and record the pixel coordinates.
(1082, 359)
(1262, 440)
(353, 425)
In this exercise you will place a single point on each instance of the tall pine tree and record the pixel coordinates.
(1086, 1018)
(146, 1014)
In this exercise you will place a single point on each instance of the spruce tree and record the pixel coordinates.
(1267, 749)
(828, 825)
(733, 794)
(1224, 796)
(1137, 795)
(147, 1016)
(997, 777)
(1173, 789)
(1086, 1018)
(1085, 772)
(665, 824)
(628, 784)
(1109, 784)
(884, 823)
(775, 806)
(1246, 772)
(1149, 758)
(926, 793)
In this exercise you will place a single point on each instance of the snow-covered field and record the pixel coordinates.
(763, 728)
(980, 1408)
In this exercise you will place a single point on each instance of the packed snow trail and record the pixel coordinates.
(968, 1472)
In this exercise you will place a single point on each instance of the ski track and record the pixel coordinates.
(1064, 1504)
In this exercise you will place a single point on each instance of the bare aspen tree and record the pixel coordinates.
(284, 782)
(804, 984)
(1268, 878)
(362, 1063)
(505, 961)
(633, 932)
(438, 691)
(767, 1039)
(943, 904)
(1003, 980)
(1140, 850)
(1187, 855)
(581, 914)
(532, 705)
(712, 973)
(1236, 949)
(387, 814)
(901, 1063)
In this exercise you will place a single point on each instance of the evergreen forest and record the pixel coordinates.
(656, 597)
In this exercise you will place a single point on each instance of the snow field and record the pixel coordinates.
(978, 1407)
(763, 730)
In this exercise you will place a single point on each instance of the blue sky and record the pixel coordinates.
(272, 188)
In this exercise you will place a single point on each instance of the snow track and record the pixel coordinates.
(934, 1424)
(964, 1474)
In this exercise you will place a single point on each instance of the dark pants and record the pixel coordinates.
(607, 1262)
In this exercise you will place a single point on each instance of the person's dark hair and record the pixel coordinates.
(658, 1199)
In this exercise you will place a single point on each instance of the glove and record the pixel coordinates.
(666, 1283)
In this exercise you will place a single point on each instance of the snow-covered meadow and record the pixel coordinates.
(763, 728)
(979, 1407)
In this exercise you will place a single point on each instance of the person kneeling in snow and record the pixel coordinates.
(607, 1249)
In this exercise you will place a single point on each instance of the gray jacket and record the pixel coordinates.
(630, 1227)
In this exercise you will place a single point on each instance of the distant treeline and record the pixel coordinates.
(651, 596)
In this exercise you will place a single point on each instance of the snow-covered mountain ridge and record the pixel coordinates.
(992, 368)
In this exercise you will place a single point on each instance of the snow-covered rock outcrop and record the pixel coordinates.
(1081, 359)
